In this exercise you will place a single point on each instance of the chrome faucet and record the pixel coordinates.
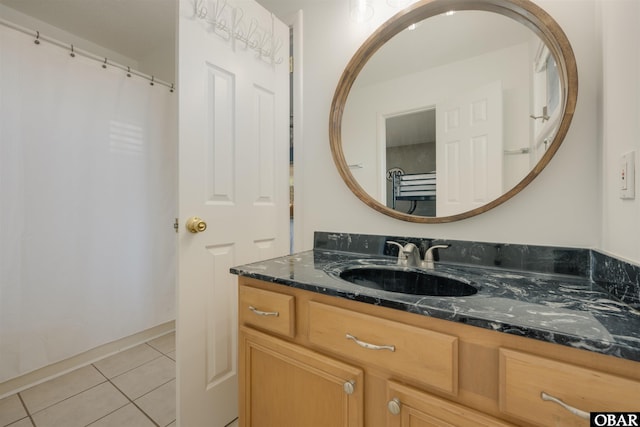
(408, 255)
(428, 256)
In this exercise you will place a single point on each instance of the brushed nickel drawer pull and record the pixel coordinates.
(371, 346)
(263, 313)
(574, 411)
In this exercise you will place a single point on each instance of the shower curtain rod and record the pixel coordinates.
(74, 51)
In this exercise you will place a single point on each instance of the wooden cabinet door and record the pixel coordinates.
(285, 385)
(410, 407)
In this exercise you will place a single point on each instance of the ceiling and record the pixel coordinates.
(412, 128)
(284, 8)
(130, 27)
(446, 39)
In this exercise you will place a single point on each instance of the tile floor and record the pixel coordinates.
(134, 388)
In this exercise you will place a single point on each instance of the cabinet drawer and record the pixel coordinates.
(414, 353)
(267, 310)
(524, 378)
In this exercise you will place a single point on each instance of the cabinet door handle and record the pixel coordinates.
(349, 386)
(371, 346)
(263, 313)
(574, 411)
(394, 406)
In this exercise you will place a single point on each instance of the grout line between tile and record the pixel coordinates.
(160, 354)
(158, 350)
(151, 391)
(131, 401)
(26, 409)
(66, 398)
(234, 420)
(117, 409)
(145, 414)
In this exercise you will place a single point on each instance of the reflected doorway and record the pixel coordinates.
(411, 150)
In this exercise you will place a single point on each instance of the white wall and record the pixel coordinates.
(561, 207)
(621, 124)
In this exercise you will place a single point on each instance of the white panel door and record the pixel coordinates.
(469, 150)
(233, 174)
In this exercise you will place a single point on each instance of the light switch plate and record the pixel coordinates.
(627, 175)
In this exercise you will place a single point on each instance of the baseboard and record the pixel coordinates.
(48, 372)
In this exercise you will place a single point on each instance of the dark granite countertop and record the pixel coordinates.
(558, 308)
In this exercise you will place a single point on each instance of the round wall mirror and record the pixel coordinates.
(452, 107)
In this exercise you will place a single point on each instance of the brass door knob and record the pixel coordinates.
(196, 225)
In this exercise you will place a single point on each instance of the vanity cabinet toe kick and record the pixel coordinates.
(307, 356)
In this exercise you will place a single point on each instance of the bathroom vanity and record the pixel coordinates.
(373, 330)
(539, 344)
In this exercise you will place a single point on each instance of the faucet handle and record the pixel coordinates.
(391, 242)
(402, 255)
(428, 255)
(429, 252)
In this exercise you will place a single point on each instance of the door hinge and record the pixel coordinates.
(175, 225)
(291, 64)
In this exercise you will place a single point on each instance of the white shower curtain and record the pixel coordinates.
(87, 204)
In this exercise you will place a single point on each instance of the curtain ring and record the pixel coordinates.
(105, 63)
(152, 79)
(37, 40)
(72, 54)
(128, 71)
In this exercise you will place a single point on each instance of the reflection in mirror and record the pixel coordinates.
(450, 115)
(500, 77)
(410, 161)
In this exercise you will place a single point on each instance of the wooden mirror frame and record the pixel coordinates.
(524, 12)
